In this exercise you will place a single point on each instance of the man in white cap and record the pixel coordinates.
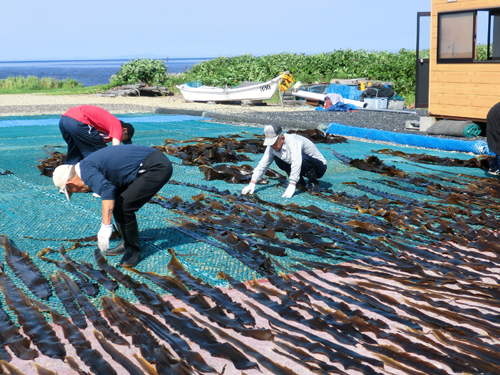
(294, 154)
(126, 177)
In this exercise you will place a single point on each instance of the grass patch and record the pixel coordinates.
(47, 85)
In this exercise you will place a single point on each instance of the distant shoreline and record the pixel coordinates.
(91, 60)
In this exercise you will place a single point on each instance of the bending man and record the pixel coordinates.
(294, 154)
(126, 178)
(87, 129)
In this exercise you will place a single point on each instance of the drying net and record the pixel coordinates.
(34, 216)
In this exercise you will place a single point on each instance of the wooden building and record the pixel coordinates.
(463, 82)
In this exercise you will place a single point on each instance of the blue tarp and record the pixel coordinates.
(338, 107)
(347, 92)
(411, 140)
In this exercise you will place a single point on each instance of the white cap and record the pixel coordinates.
(60, 176)
(272, 132)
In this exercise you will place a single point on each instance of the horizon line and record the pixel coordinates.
(124, 59)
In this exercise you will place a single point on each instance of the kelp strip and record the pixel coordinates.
(32, 321)
(183, 324)
(20, 262)
(91, 312)
(118, 357)
(83, 347)
(82, 281)
(11, 336)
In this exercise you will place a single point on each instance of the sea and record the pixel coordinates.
(88, 72)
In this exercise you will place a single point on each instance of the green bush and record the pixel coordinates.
(148, 71)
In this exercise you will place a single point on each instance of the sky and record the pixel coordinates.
(32, 30)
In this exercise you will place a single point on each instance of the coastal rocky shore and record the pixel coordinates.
(298, 116)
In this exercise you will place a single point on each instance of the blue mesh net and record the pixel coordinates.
(35, 216)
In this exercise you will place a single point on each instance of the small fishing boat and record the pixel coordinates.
(252, 91)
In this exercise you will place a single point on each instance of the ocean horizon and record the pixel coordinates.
(88, 72)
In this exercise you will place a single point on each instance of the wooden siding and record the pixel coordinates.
(461, 91)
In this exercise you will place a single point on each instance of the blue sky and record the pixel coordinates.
(107, 29)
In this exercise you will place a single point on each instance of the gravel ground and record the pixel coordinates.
(288, 116)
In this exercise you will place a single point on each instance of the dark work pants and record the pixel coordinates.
(308, 163)
(155, 172)
(82, 139)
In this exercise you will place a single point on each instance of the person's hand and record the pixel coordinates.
(289, 191)
(248, 189)
(103, 236)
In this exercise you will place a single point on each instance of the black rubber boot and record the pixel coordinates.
(118, 249)
(132, 255)
(313, 182)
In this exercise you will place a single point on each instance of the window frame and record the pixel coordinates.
(473, 40)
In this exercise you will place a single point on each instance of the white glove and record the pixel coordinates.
(103, 236)
(248, 189)
(289, 191)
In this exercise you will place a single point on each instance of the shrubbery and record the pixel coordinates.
(148, 71)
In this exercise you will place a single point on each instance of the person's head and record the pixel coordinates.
(128, 133)
(68, 181)
(274, 136)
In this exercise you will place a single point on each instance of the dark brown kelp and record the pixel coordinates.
(11, 337)
(74, 366)
(92, 313)
(32, 321)
(98, 275)
(215, 294)
(317, 136)
(178, 344)
(20, 262)
(118, 357)
(54, 159)
(150, 348)
(482, 162)
(68, 301)
(183, 324)
(82, 281)
(88, 355)
(215, 313)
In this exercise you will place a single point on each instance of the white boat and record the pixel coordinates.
(246, 91)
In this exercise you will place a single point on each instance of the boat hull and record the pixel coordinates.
(259, 91)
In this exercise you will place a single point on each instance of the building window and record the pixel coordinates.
(468, 36)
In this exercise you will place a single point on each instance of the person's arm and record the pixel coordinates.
(295, 149)
(107, 210)
(115, 141)
(264, 163)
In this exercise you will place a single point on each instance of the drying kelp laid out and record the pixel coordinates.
(403, 281)
(395, 274)
(482, 162)
(208, 151)
(52, 161)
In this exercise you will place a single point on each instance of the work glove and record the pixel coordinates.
(289, 191)
(103, 236)
(248, 189)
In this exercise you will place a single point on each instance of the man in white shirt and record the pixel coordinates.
(294, 154)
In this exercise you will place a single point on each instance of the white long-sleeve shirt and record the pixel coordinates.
(291, 153)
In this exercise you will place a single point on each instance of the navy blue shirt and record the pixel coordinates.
(112, 167)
